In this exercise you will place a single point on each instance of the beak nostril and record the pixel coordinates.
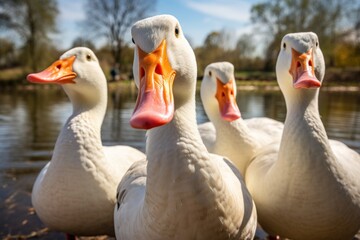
(310, 63)
(232, 92)
(298, 64)
(58, 67)
(158, 69)
(142, 72)
(223, 94)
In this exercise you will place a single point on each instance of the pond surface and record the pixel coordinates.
(30, 122)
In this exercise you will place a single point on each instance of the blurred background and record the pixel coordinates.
(34, 33)
(247, 33)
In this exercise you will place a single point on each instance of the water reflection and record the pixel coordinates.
(30, 122)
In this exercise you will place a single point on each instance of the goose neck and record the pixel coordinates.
(178, 162)
(90, 106)
(235, 133)
(304, 135)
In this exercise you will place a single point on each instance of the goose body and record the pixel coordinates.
(227, 133)
(182, 191)
(308, 187)
(76, 191)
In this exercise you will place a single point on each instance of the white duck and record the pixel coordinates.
(227, 133)
(310, 187)
(183, 192)
(76, 191)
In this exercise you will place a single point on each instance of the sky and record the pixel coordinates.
(197, 17)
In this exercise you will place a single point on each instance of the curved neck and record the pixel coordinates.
(179, 167)
(235, 133)
(80, 137)
(302, 101)
(174, 140)
(304, 131)
(233, 139)
(92, 105)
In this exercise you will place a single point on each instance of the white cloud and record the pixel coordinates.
(227, 10)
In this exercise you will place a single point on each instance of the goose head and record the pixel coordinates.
(78, 72)
(300, 66)
(164, 70)
(218, 91)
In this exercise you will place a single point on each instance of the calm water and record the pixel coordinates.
(31, 120)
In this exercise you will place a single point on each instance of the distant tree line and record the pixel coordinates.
(217, 47)
(31, 22)
(336, 22)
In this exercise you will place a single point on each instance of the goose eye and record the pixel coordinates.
(317, 43)
(210, 73)
(177, 31)
(284, 45)
(88, 57)
(132, 39)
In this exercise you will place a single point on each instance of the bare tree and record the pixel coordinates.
(217, 46)
(32, 20)
(245, 46)
(113, 18)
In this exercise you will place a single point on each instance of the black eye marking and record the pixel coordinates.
(210, 73)
(88, 57)
(284, 45)
(317, 43)
(132, 39)
(177, 31)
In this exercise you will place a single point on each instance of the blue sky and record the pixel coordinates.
(197, 18)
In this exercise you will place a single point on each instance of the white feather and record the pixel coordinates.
(182, 192)
(75, 192)
(307, 186)
(240, 139)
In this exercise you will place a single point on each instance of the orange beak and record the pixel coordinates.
(302, 70)
(227, 102)
(60, 72)
(155, 101)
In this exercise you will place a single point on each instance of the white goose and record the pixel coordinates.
(183, 192)
(76, 191)
(310, 187)
(227, 133)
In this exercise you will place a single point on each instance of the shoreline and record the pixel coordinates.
(242, 85)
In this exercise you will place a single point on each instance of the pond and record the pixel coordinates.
(30, 121)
